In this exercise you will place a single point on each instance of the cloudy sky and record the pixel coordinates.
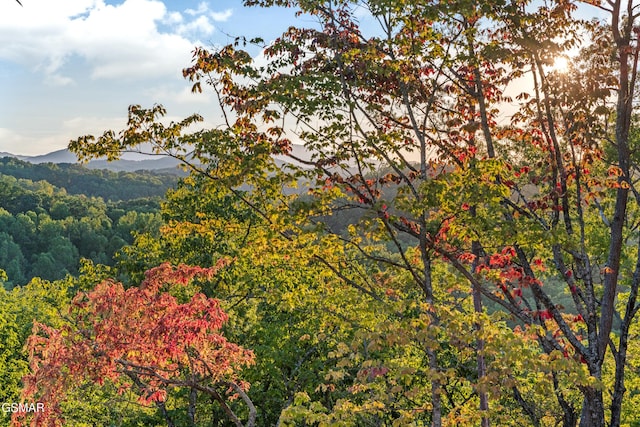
(72, 67)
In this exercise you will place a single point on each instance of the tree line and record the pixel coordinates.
(76, 179)
(45, 231)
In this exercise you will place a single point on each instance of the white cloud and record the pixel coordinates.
(199, 25)
(72, 66)
(59, 80)
(30, 143)
(114, 41)
(202, 8)
(82, 123)
(221, 16)
(174, 18)
(5, 133)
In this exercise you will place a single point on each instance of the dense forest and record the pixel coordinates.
(77, 179)
(457, 247)
(52, 216)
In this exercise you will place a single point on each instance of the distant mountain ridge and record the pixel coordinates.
(152, 163)
(133, 162)
(5, 154)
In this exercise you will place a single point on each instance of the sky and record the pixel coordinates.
(72, 67)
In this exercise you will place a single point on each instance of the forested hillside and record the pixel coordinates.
(76, 179)
(45, 228)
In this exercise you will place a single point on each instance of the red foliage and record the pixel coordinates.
(142, 337)
(544, 315)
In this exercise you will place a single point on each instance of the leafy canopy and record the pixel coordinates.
(143, 338)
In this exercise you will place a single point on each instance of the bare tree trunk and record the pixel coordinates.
(436, 393)
(592, 408)
(481, 364)
(191, 411)
(165, 413)
(620, 355)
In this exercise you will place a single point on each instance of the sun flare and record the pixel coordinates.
(561, 64)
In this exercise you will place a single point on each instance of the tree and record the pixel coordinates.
(276, 296)
(143, 339)
(40, 300)
(401, 125)
(12, 260)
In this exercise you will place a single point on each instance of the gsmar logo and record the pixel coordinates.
(22, 407)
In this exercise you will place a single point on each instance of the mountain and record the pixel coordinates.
(60, 156)
(5, 154)
(132, 162)
(76, 179)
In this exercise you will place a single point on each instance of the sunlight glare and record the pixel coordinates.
(561, 64)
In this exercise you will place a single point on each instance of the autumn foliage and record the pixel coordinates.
(142, 338)
(431, 184)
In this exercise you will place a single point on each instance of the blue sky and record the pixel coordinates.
(72, 67)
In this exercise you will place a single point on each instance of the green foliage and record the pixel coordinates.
(273, 296)
(40, 299)
(44, 232)
(141, 339)
(76, 179)
(380, 317)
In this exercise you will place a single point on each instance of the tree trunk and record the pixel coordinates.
(191, 411)
(592, 408)
(436, 399)
(481, 364)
